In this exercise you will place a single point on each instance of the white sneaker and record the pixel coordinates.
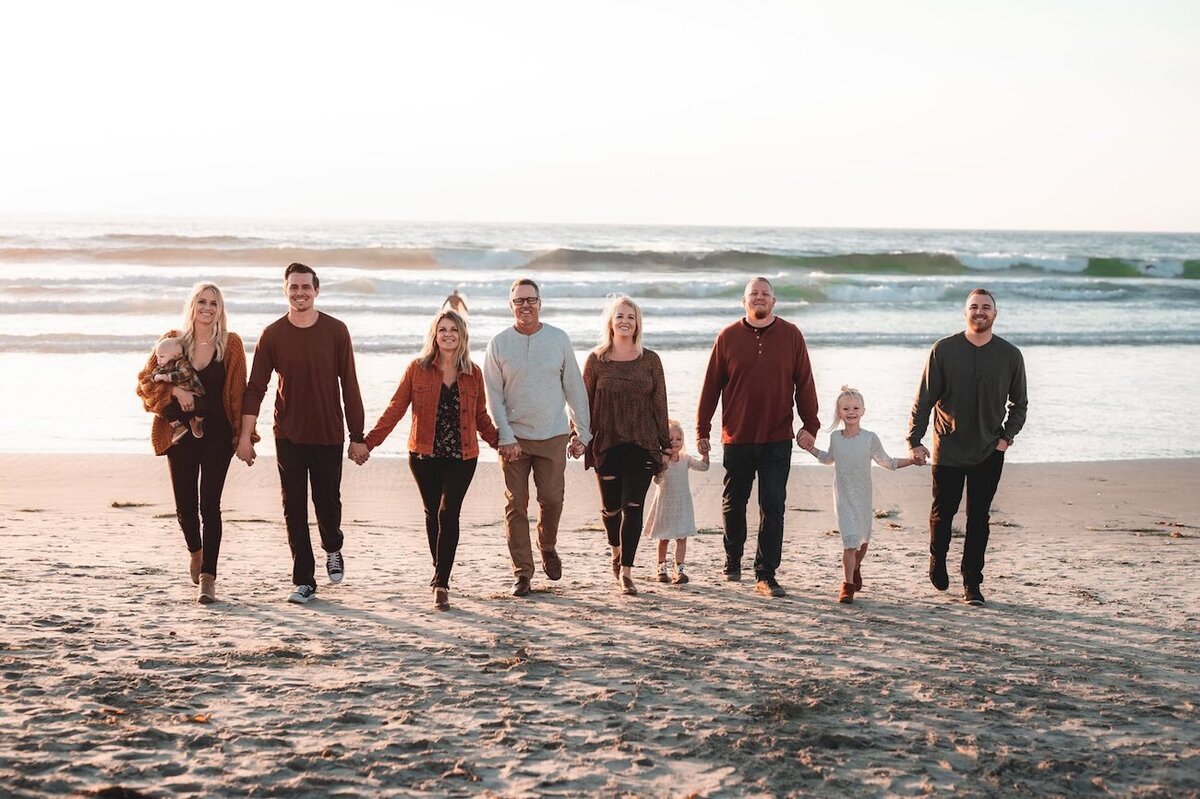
(302, 594)
(335, 566)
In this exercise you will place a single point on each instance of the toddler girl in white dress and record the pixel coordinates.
(851, 451)
(671, 516)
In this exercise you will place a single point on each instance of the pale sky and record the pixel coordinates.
(1029, 115)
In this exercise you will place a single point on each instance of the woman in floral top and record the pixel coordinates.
(449, 414)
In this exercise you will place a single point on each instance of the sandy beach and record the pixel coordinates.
(1079, 677)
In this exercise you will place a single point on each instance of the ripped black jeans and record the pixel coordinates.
(624, 474)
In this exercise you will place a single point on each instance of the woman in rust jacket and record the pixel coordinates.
(449, 415)
(198, 465)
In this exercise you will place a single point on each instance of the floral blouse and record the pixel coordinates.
(447, 440)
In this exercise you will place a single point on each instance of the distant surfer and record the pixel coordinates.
(456, 302)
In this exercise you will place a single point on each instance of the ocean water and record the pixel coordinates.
(1109, 322)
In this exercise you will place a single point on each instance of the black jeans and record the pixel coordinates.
(981, 480)
(772, 462)
(443, 484)
(300, 464)
(201, 462)
(624, 476)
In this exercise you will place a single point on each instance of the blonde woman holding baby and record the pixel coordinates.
(198, 457)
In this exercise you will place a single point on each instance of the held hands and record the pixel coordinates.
(509, 452)
(245, 452)
(187, 400)
(359, 452)
(919, 455)
(805, 440)
(576, 448)
(703, 446)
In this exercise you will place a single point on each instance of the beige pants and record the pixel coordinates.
(548, 461)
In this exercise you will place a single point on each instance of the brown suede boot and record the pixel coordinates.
(847, 593)
(196, 565)
(208, 589)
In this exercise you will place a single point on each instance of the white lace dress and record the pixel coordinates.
(671, 514)
(851, 459)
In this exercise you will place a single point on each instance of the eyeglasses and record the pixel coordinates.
(519, 301)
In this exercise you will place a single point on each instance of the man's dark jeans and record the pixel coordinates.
(771, 462)
(981, 481)
(300, 464)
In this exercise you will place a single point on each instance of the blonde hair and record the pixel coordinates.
(220, 325)
(846, 391)
(604, 349)
(462, 353)
(675, 424)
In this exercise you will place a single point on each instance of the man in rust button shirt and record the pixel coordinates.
(759, 367)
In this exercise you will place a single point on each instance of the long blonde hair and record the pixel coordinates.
(462, 353)
(846, 391)
(220, 324)
(604, 349)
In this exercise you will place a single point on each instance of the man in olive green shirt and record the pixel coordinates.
(974, 383)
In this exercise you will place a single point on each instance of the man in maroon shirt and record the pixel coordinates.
(758, 368)
(313, 356)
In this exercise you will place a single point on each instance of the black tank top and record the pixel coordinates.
(216, 422)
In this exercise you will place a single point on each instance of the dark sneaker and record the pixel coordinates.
(972, 595)
(769, 587)
(302, 594)
(521, 587)
(551, 564)
(733, 572)
(335, 566)
(937, 573)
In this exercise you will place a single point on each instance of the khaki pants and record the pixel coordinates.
(548, 461)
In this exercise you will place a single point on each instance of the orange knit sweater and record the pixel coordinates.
(156, 396)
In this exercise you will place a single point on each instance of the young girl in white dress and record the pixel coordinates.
(671, 516)
(851, 451)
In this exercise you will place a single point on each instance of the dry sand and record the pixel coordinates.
(1079, 677)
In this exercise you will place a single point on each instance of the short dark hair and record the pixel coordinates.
(989, 294)
(303, 269)
(524, 281)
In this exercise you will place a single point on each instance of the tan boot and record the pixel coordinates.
(196, 565)
(208, 589)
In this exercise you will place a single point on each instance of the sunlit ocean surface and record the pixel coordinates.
(1109, 323)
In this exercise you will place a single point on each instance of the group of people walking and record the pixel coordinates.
(531, 402)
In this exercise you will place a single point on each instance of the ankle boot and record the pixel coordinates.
(208, 589)
(196, 565)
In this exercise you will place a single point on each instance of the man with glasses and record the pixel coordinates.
(530, 372)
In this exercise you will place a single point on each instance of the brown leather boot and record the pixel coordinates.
(196, 565)
(208, 589)
(847, 593)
